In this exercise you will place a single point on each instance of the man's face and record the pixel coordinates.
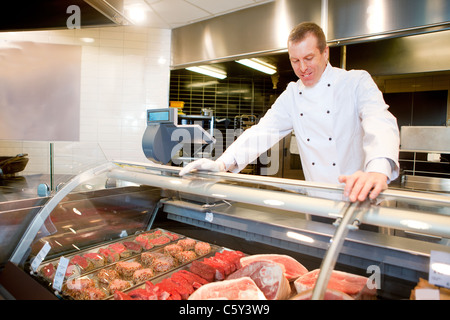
(307, 61)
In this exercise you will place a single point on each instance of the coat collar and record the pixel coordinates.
(324, 78)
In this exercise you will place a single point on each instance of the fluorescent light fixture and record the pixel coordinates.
(209, 71)
(258, 65)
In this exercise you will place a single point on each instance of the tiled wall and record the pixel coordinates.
(124, 71)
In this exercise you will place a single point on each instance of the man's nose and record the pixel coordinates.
(303, 66)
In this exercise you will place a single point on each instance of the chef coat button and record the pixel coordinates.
(329, 139)
(328, 111)
(334, 164)
(329, 85)
(307, 139)
(313, 163)
(300, 92)
(301, 114)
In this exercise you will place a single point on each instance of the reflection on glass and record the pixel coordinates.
(299, 237)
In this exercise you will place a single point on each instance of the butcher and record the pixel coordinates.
(344, 131)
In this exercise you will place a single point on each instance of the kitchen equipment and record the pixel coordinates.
(11, 165)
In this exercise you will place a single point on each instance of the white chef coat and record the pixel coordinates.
(341, 125)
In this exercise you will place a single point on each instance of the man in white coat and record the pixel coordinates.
(342, 125)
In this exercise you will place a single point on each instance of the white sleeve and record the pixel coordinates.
(381, 134)
(254, 141)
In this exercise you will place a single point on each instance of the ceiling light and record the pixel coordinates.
(258, 65)
(136, 14)
(209, 71)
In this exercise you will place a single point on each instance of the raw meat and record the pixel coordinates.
(237, 289)
(133, 246)
(330, 294)
(217, 267)
(293, 268)
(126, 269)
(173, 249)
(120, 249)
(269, 278)
(118, 285)
(96, 259)
(185, 256)
(141, 294)
(119, 295)
(107, 275)
(110, 256)
(202, 248)
(187, 244)
(351, 284)
(142, 275)
(48, 271)
(81, 262)
(143, 242)
(159, 240)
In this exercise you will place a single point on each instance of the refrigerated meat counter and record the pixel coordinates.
(391, 240)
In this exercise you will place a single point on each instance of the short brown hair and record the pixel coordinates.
(306, 28)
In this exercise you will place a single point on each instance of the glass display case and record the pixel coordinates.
(134, 210)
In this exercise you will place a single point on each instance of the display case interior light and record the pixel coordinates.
(209, 71)
(259, 65)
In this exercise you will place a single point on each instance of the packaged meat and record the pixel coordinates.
(351, 284)
(127, 268)
(118, 284)
(236, 289)
(107, 275)
(96, 259)
(159, 241)
(133, 247)
(48, 271)
(75, 287)
(185, 256)
(109, 255)
(163, 263)
(91, 293)
(81, 262)
(268, 276)
(142, 275)
(120, 249)
(144, 242)
(173, 249)
(293, 268)
(202, 248)
(187, 244)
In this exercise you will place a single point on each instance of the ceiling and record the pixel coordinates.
(177, 13)
(166, 14)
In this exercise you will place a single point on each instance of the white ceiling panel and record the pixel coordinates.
(221, 6)
(176, 13)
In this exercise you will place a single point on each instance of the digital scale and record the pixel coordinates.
(164, 138)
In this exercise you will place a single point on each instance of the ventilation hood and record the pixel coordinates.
(52, 14)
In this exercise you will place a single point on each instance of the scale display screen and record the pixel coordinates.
(158, 116)
(167, 115)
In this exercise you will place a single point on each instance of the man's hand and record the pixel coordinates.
(203, 164)
(359, 184)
